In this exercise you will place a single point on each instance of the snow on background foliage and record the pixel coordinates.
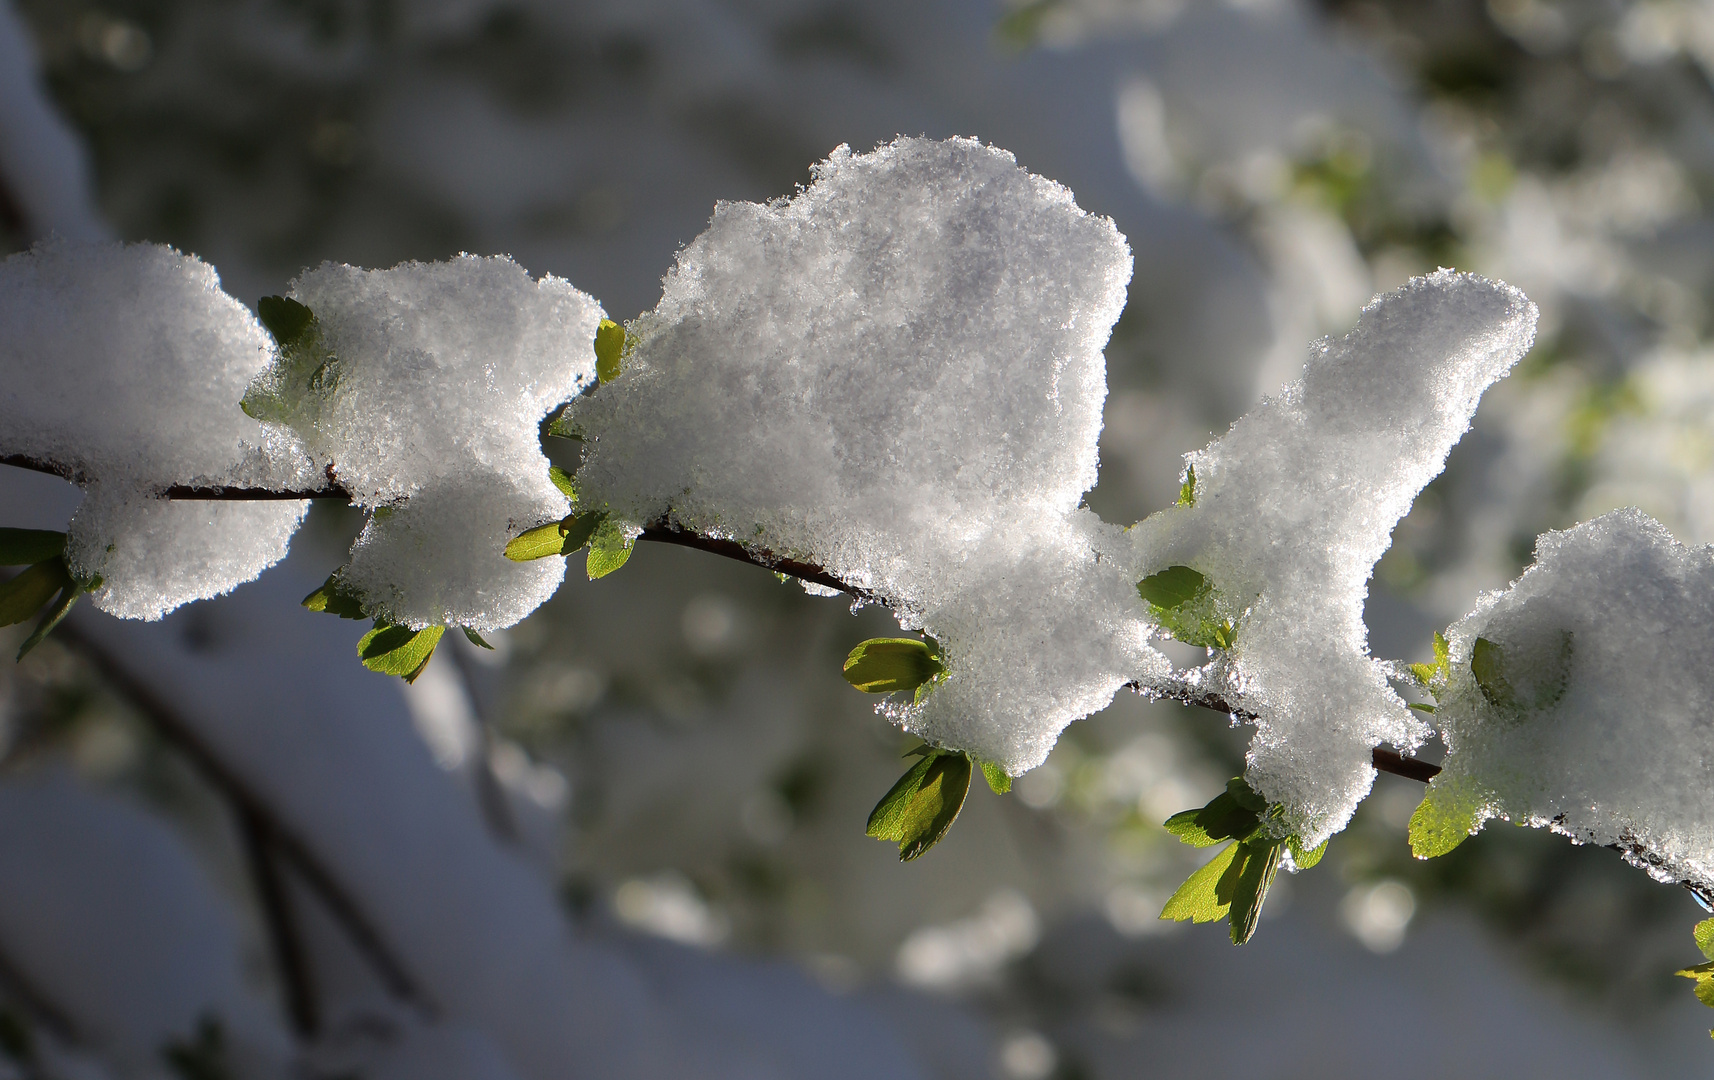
(685, 724)
(897, 375)
(1294, 505)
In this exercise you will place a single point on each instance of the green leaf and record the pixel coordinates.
(609, 350)
(399, 650)
(1531, 676)
(24, 547)
(336, 598)
(1419, 707)
(540, 542)
(999, 781)
(23, 595)
(562, 426)
(1705, 937)
(1306, 859)
(1171, 588)
(1245, 795)
(1432, 677)
(1187, 490)
(1488, 665)
(1704, 988)
(476, 639)
(1221, 819)
(69, 595)
(1197, 900)
(885, 665)
(1446, 816)
(609, 547)
(563, 480)
(284, 317)
(1251, 889)
(922, 806)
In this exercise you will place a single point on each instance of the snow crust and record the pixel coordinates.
(1296, 503)
(438, 379)
(897, 374)
(125, 365)
(1605, 734)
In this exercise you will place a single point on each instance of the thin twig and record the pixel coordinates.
(260, 846)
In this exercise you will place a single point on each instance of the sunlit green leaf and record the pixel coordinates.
(609, 350)
(563, 480)
(609, 547)
(1187, 490)
(1446, 816)
(885, 665)
(399, 650)
(1261, 865)
(1305, 859)
(999, 781)
(476, 639)
(539, 542)
(1197, 900)
(335, 597)
(922, 806)
(24, 547)
(1704, 933)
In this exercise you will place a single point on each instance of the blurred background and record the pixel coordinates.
(629, 842)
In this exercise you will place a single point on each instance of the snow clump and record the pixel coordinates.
(897, 374)
(1295, 504)
(426, 406)
(125, 365)
(1580, 698)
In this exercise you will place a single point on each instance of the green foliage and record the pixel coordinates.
(1534, 681)
(1186, 605)
(476, 639)
(1447, 815)
(1432, 677)
(24, 547)
(336, 598)
(564, 537)
(563, 480)
(202, 1056)
(999, 780)
(1234, 884)
(285, 318)
(1020, 28)
(609, 547)
(887, 665)
(1187, 490)
(305, 374)
(610, 350)
(46, 584)
(1703, 973)
(398, 650)
(922, 806)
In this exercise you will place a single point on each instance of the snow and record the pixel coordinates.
(428, 412)
(1296, 503)
(1604, 735)
(897, 374)
(124, 367)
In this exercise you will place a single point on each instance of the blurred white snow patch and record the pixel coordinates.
(971, 951)
(1027, 1055)
(1135, 910)
(429, 410)
(442, 713)
(1295, 504)
(897, 374)
(1379, 914)
(668, 905)
(711, 624)
(127, 363)
(43, 166)
(543, 785)
(1587, 710)
(1145, 140)
(105, 913)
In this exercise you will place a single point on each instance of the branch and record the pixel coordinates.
(250, 805)
(260, 846)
